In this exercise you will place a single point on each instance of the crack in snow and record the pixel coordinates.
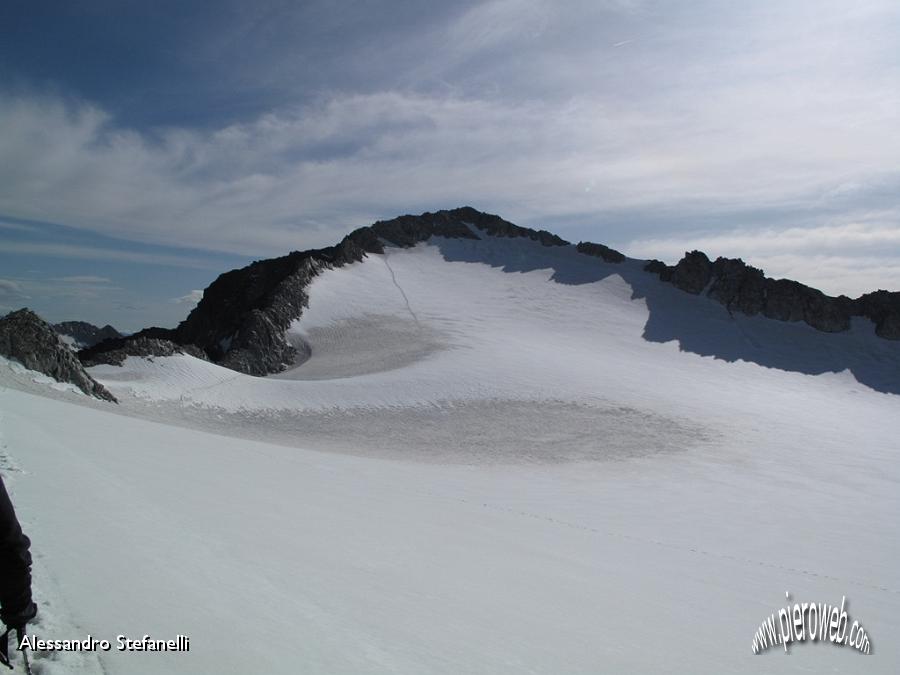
(399, 288)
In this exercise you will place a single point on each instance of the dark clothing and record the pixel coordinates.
(15, 565)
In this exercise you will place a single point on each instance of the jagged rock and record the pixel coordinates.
(746, 289)
(788, 300)
(738, 286)
(659, 268)
(241, 321)
(883, 308)
(116, 351)
(86, 334)
(410, 230)
(608, 254)
(31, 341)
(497, 227)
(693, 272)
(889, 327)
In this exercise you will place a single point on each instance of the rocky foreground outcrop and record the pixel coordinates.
(85, 334)
(31, 341)
(746, 289)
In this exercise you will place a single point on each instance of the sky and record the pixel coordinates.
(149, 146)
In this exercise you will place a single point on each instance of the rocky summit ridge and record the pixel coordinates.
(240, 322)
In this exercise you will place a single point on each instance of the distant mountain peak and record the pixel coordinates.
(84, 334)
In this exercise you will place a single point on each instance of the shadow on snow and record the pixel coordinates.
(699, 324)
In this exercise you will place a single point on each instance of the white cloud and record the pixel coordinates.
(264, 188)
(9, 288)
(710, 110)
(191, 298)
(496, 22)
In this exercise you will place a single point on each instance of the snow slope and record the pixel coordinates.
(498, 458)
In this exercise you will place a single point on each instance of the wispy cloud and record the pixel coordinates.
(17, 227)
(83, 279)
(191, 298)
(269, 185)
(25, 288)
(497, 22)
(9, 288)
(101, 253)
(524, 107)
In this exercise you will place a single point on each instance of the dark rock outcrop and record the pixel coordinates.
(738, 286)
(608, 254)
(659, 268)
(788, 300)
(693, 272)
(86, 334)
(497, 227)
(889, 327)
(748, 290)
(31, 341)
(883, 308)
(116, 351)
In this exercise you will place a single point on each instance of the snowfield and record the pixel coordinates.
(494, 457)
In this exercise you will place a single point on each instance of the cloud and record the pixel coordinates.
(497, 22)
(100, 253)
(10, 288)
(191, 298)
(521, 107)
(300, 178)
(57, 288)
(17, 227)
(83, 279)
(26, 289)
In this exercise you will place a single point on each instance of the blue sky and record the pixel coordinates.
(149, 146)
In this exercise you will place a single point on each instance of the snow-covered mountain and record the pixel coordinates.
(478, 450)
(243, 316)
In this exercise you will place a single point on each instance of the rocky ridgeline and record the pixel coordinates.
(608, 254)
(748, 290)
(31, 341)
(115, 351)
(241, 321)
(86, 334)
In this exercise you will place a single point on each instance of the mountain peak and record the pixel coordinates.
(84, 334)
(242, 319)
